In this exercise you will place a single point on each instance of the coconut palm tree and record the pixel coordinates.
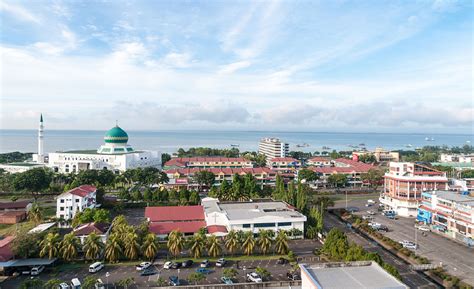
(35, 214)
(248, 243)
(281, 243)
(214, 246)
(197, 245)
(50, 245)
(264, 240)
(175, 242)
(150, 246)
(231, 241)
(69, 247)
(131, 245)
(113, 250)
(93, 246)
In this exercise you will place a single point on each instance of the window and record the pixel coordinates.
(61, 201)
(284, 224)
(246, 226)
(61, 208)
(264, 225)
(77, 200)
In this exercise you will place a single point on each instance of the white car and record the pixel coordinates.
(63, 285)
(408, 244)
(143, 266)
(367, 218)
(370, 212)
(37, 270)
(254, 277)
(167, 265)
(424, 228)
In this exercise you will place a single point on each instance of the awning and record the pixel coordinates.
(28, 262)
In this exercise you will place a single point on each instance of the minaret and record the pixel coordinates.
(40, 140)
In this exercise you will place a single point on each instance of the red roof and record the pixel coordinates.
(86, 229)
(349, 167)
(183, 162)
(175, 213)
(319, 159)
(287, 159)
(216, 229)
(226, 171)
(162, 228)
(6, 252)
(14, 205)
(83, 190)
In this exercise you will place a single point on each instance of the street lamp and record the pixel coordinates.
(107, 274)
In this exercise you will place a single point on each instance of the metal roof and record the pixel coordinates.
(28, 262)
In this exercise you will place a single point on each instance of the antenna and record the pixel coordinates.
(116, 122)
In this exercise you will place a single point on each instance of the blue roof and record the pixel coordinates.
(28, 262)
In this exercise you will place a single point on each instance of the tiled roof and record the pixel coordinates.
(319, 159)
(14, 205)
(82, 191)
(86, 229)
(183, 161)
(349, 167)
(162, 228)
(217, 171)
(216, 229)
(6, 252)
(287, 159)
(174, 213)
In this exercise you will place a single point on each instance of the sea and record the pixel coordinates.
(171, 141)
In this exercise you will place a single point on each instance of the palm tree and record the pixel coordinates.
(113, 250)
(281, 243)
(69, 247)
(93, 246)
(175, 242)
(214, 246)
(197, 245)
(248, 243)
(150, 246)
(231, 241)
(50, 245)
(35, 214)
(264, 240)
(132, 248)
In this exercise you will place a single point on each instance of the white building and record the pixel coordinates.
(75, 200)
(115, 155)
(101, 229)
(252, 216)
(273, 148)
(456, 158)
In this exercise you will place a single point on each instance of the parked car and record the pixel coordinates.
(63, 285)
(174, 281)
(75, 283)
(254, 277)
(175, 265)
(408, 244)
(369, 218)
(205, 264)
(167, 265)
(203, 271)
(187, 263)
(96, 267)
(36, 270)
(382, 228)
(26, 272)
(221, 262)
(282, 261)
(293, 276)
(423, 228)
(227, 280)
(143, 266)
(148, 272)
(370, 212)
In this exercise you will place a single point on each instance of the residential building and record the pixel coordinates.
(449, 212)
(352, 169)
(273, 148)
(456, 158)
(380, 155)
(15, 206)
(252, 216)
(6, 252)
(208, 162)
(101, 229)
(12, 217)
(319, 162)
(284, 164)
(20, 167)
(68, 204)
(354, 275)
(404, 184)
(186, 219)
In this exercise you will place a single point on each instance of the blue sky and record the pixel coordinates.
(401, 66)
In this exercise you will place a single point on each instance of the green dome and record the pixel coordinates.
(116, 135)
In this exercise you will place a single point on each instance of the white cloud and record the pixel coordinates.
(233, 67)
(19, 12)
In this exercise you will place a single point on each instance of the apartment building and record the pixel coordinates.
(352, 169)
(449, 212)
(68, 204)
(284, 164)
(404, 184)
(319, 162)
(380, 154)
(456, 158)
(273, 148)
(208, 162)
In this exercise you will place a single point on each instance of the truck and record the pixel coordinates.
(389, 214)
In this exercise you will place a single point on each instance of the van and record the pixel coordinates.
(37, 270)
(97, 266)
(75, 283)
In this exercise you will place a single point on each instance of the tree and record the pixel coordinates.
(35, 214)
(225, 191)
(214, 246)
(165, 158)
(367, 158)
(229, 273)
(336, 245)
(334, 155)
(290, 196)
(355, 253)
(35, 283)
(194, 198)
(197, 245)
(175, 242)
(264, 240)
(69, 247)
(337, 180)
(50, 245)
(131, 245)
(373, 177)
(196, 277)
(113, 250)
(93, 246)
(248, 243)
(52, 284)
(467, 174)
(324, 202)
(250, 185)
(307, 175)
(34, 181)
(392, 270)
(264, 273)
(281, 243)
(125, 282)
(231, 241)
(279, 190)
(204, 178)
(89, 282)
(101, 216)
(150, 246)
(147, 195)
(301, 198)
(26, 245)
(238, 192)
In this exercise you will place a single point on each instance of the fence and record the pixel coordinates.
(273, 284)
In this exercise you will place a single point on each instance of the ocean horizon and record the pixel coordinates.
(170, 141)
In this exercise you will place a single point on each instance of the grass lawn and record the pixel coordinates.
(11, 229)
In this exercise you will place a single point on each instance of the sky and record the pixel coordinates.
(354, 66)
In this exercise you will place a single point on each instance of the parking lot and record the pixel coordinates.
(118, 272)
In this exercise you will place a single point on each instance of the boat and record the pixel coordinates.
(429, 139)
(234, 145)
(362, 144)
(302, 145)
(326, 148)
(409, 145)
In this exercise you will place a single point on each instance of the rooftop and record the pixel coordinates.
(24, 164)
(86, 229)
(162, 228)
(14, 205)
(354, 275)
(94, 152)
(41, 228)
(81, 191)
(455, 197)
(174, 213)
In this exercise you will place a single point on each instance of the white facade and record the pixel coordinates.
(252, 216)
(456, 158)
(273, 148)
(68, 204)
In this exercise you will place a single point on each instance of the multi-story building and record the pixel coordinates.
(404, 184)
(319, 162)
(352, 169)
(273, 148)
(380, 155)
(208, 162)
(252, 216)
(102, 230)
(456, 158)
(284, 164)
(449, 212)
(69, 203)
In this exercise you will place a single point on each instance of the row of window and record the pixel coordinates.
(267, 225)
(62, 200)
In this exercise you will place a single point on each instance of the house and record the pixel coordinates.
(101, 229)
(15, 206)
(12, 217)
(6, 252)
(68, 204)
(208, 162)
(319, 162)
(186, 219)
(284, 164)
(352, 169)
(379, 154)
